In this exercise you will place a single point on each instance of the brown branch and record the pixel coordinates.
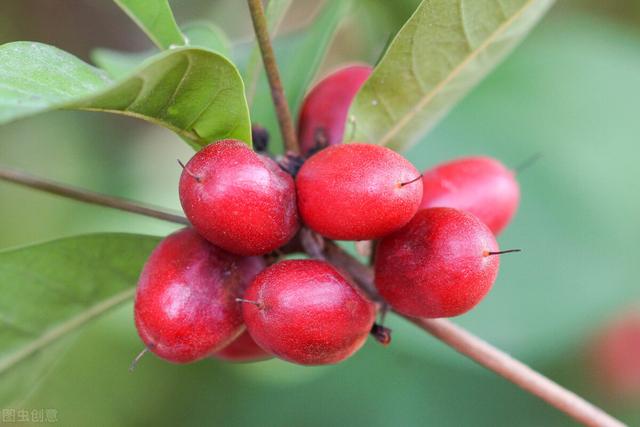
(273, 75)
(28, 180)
(456, 337)
(517, 372)
(359, 272)
(484, 353)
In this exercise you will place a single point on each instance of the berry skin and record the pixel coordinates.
(239, 200)
(323, 115)
(242, 349)
(615, 357)
(305, 312)
(357, 191)
(185, 306)
(439, 265)
(480, 185)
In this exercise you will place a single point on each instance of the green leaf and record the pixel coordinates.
(444, 50)
(52, 289)
(299, 58)
(579, 262)
(276, 10)
(156, 19)
(199, 34)
(194, 92)
(207, 35)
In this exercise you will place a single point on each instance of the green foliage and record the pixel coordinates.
(199, 34)
(577, 222)
(52, 289)
(194, 92)
(442, 52)
(377, 388)
(207, 35)
(578, 250)
(298, 59)
(156, 19)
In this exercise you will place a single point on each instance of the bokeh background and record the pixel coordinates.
(569, 92)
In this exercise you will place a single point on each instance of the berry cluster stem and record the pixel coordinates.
(273, 75)
(25, 179)
(454, 336)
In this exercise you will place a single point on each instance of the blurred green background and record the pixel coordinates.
(570, 92)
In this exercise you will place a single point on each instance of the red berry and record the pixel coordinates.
(480, 185)
(357, 191)
(239, 200)
(615, 357)
(439, 265)
(185, 307)
(323, 115)
(242, 349)
(305, 312)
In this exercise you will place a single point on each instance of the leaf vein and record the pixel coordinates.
(406, 119)
(63, 329)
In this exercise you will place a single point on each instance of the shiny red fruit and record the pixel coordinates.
(323, 115)
(480, 185)
(357, 191)
(242, 349)
(439, 265)
(305, 312)
(239, 200)
(185, 306)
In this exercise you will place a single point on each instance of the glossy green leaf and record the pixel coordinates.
(443, 51)
(156, 19)
(194, 92)
(299, 58)
(52, 289)
(199, 34)
(276, 10)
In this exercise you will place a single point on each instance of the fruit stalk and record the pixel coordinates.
(25, 179)
(273, 76)
(452, 335)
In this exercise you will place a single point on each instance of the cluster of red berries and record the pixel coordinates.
(208, 291)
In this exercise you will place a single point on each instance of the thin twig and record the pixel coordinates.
(275, 14)
(527, 163)
(273, 75)
(456, 337)
(22, 178)
(312, 243)
(484, 353)
(517, 372)
(359, 272)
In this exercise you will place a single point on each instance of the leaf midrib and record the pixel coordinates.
(404, 120)
(64, 328)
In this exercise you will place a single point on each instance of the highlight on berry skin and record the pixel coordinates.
(356, 192)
